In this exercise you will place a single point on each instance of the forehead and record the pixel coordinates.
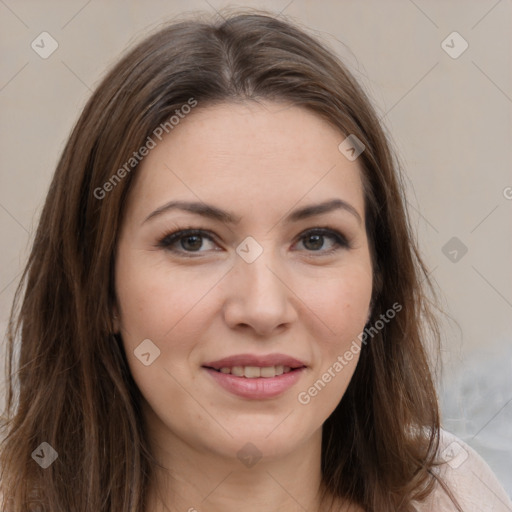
(261, 157)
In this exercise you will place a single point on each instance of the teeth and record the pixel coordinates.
(268, 371)
(253, 372)
(238, 371)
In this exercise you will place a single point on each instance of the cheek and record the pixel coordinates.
(342, 304)
(156, 304)
(343, 307)
(143, 302)
(155, 297)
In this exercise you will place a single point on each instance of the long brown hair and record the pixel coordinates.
(70, 386)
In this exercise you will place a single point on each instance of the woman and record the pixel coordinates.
(224, 301)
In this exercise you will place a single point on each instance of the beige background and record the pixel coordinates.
(450, 121)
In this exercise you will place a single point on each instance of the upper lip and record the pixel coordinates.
(255, 360)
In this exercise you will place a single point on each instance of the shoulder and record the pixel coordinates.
(468, 477)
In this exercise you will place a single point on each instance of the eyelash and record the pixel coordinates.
(169, 239)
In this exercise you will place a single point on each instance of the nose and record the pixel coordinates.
(258, 296)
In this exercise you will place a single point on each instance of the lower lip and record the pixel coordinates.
(258, 388)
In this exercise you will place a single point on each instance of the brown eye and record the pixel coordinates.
(190, 241)
(193, 242)
(314, 240)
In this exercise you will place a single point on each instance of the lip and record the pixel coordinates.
(255, 360)
(259, 388)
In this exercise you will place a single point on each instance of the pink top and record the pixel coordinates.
(470, 479)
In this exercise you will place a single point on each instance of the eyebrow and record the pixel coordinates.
(212, 212)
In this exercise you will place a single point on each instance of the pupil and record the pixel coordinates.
(195, 242)
(193, 246)
(317, 239)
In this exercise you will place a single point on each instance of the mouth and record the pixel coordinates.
(255, 372)
(276, 361)
(256, 377)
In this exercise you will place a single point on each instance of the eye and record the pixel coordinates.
(192, 240)
(314, 240)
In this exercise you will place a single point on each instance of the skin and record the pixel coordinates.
(259, 161)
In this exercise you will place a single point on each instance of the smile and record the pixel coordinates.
(252, 386)
(254, 372)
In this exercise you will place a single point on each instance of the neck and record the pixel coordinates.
(195, 478)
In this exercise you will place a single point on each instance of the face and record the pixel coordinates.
(263, 282)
